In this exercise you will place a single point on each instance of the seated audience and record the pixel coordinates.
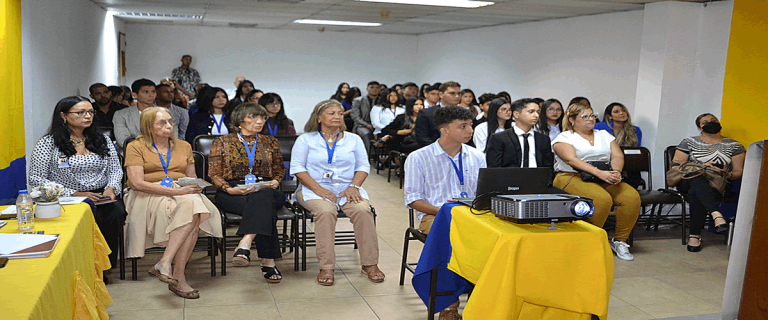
(232, 91)
(468, 101)
(353, 94)
(277, 123)
(520, 146)
(538, 101)
(423, 91)
(399, 134)
(193, 103)
(551, 124)
(128, 96)
(74, 155)
(504, 95)
(361, 114)
(127, 122)
(331, 166)
(186, 77)
(117, 94)
(210, 118)
(714, 151)
(499, 119)
(243, 89)
(341, 92)
(426, 130)
(242, 153)
(579, 143)
(410, 90)
(580, 100)
(384, 113)
(178, 98)
(165, 94)
(432, 174)
(432, 97)
(618, 123)
(485, 102)
(254, 96)
(160, 212)
(104, 105)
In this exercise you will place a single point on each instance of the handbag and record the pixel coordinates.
(603, 165)
(690, 170)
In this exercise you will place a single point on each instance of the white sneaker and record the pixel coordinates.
(621, 249)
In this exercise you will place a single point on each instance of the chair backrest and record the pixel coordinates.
(638, 159)
(410, 217)
(286, 145)
(200, 164)
(669, 154)
(106, 130)
(125, 145)
(203, 143)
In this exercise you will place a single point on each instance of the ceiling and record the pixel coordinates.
(402, 19)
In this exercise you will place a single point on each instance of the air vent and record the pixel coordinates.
(242, 25)
(282, 1)
(536, 209)
(159, 15)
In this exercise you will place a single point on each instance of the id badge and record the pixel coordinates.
(63, 162)
(464, 195)
(166, 182)
(327, 176)
(250, 179)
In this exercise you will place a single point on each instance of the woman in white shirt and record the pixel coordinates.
(499, 119)
(331, 166)
(386, 111)
(574, 147)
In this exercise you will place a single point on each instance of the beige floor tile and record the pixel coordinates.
(225, 291)
(303, 286)
(147, 314)
(256, 312)
(614, 301)
(716, 301)
(397, 307)
(700, 284)
(647, 290)
(331, 309)
(144, 294)
(627, 313)
(688, 307)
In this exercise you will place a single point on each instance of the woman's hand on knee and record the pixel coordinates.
(326, 194)
(352, 194)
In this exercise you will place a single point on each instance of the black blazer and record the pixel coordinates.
(426, 130)
(201, 123)
(504, 150)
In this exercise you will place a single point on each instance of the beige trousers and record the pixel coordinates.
(325, 230)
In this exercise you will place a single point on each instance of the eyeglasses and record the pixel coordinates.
(82, 113)
(255, 117)
(505, 109)
(272, 104)
(587, 116)
(163, 123)
(555, 109)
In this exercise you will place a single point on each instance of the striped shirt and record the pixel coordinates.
(701, 152)
(430, 176)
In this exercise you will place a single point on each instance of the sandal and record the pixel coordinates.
(268, 272)
(194, 294)
(325, 278)
(161, 276)
(694, 248)
(720, 227)
(375, 277)
(242, 257)
(450, 314)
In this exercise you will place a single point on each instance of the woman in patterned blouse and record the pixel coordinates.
(84, 162)
(229, 163)
(715, 151)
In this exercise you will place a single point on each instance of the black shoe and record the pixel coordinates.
(242, 257)
(694, 248)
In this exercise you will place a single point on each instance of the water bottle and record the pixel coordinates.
(24, 214)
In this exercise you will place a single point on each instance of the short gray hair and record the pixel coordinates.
(244, 110)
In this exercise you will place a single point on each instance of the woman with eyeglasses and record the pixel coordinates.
(551, 123)
(575, 147)
(84, 162)
(499, 119)
(278, 124)
(211, 117)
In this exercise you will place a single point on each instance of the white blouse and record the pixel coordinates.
(601, 151)
(481, 136)
(310, 155)
(381, 117)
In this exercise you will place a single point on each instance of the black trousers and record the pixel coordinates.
(702, 200)
(110, 218)
(259, 212)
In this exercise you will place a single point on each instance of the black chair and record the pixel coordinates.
(201, 172)
(394, 154)
(106, 130)
(286, 146)
(638, 159)
(379, 154)
(412, 233)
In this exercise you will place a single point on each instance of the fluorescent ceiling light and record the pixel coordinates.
(338, 23)
(159, 15)
(441, 3)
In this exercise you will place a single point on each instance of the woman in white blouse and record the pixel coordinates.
(579, 143)
(84, 162)
(386, 111)
(499, 119)
(331, 166)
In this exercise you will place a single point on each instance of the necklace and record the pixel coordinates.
(239, 137)
(330, 136)
(591, 141)
(76, 142)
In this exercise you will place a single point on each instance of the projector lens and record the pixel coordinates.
(582, 209)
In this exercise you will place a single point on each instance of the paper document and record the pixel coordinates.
(187, 181)
(9, 210)
(14, 242)
(71, 200)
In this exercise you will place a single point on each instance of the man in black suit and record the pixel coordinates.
(426, 130)
(520, 146)
(361, 113)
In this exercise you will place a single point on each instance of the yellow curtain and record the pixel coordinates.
(12, 162)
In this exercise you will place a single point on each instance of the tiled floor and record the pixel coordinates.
(664, 280)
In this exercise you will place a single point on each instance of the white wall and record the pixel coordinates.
(66, 46)
(303, 67)
(593, 56)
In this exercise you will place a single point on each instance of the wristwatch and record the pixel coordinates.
(355, 186)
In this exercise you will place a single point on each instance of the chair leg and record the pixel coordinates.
(212, 252)
(121, 253)
(405, 256)
(304, 245)
(134, 272)
(223, 249)
(432, 294)
(297, 235)
(684, 224)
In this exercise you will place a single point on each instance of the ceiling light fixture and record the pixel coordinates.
(338, 23)
(158, 15)
(441, 3)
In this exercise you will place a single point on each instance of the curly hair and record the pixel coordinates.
(446, 115)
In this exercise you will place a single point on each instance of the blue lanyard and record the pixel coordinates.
(394, 111)
(218, 123)
(251, 152)
(329, 149)
(459, 172)
(167, 162)
(272, 133)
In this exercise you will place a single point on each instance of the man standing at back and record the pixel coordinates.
(426, 130)
(103, 105)
(186, 76)
(361, 113)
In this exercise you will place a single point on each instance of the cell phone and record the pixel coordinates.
(104, 199)
(3, 262)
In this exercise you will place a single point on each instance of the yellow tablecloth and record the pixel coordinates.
(523, 271)
(68, 283)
